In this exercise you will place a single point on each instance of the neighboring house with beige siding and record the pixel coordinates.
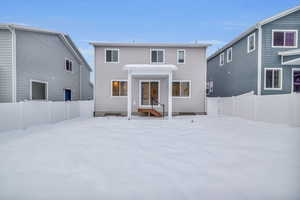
(37, 64)
(133, 78)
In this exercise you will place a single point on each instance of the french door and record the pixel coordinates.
(149, 92)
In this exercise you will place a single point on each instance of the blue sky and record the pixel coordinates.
(212, 21)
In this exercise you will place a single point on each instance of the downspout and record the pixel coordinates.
(14, 65)
(259, 59)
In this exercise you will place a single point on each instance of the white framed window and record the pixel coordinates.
(157, 56)
(119, 88)
(68, 65)
(112, 55)
(284, 38)
(209, 87)
(181, 56)
(229, 55)
(273, 78)
(295, 80)
(222, 59)
(38, 90)
(181, 88)
(251, 43)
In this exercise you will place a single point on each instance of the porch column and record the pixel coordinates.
(170, 96)
(129, 90)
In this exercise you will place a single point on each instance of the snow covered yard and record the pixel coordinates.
(197, 157)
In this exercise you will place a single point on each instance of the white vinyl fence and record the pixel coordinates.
(29, 113)
(284, 109)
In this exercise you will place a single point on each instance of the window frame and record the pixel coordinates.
(111, 49)
(164, 56)
(248, 42)
(111, 88)
(284, 31)
(280, 81)
(184, 53)
(70, 61)
(181, 81)
(227, 57)
(220, 61)
(292, 88)
(30, 89)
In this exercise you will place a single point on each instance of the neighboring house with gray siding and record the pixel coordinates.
(147, 77)
(38, 64)
(264, 59)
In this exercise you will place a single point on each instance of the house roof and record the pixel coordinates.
(134, 44)
(253, 28)
(290, 52)
(65, 38)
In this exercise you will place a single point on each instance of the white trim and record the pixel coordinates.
(111, 88)
(227, 55)
(285, 30)
(170, 99)
(248, 42)
(14, 68)
(184, 53)
(281, 78)
(190, 89)
(293, 70)
(111, 49)
(164, 56)
(70, 60)
(282, 14)
(140, 93)
(259, 60)
(38, 81)
(290, 62)
(220, 61)
(129, 95)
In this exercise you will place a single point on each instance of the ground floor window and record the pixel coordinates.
(181, 89)
(68, 95)
(296, 80)
(38, 90)
(209, 87)
(119, 88)
(273, 78)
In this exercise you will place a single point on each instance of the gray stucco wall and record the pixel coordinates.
(237, 77)
(42, 57)
(5, 66)
(270, 57)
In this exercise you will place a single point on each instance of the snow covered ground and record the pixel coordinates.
(197, 157)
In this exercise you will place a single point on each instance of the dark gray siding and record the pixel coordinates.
(237, 77)
(5, 66)
(86, 87)
(41, 57)
(270, 57)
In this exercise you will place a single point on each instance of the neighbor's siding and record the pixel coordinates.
(86, 87)
(5, 66)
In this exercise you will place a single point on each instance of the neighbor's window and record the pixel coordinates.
(38, 90)
(119, 88)
(111, 55)
(285, 38)
(222, 59)
(229, 55)
(273, 78)
(181, 88)
(209, 87)
(68, 65)
(251, 43)
(180, 56)
(157, 56)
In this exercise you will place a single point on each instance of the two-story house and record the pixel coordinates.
(37, 64)
(264, 59)
(150, 78)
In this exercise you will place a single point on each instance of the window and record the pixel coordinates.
(149, 92)
(296, 80)
(119, 88)
(180, 56)
(273, 78)
(285, 39)
(68, 94)
(251, 43)
(181, 89)
(222, 59)
(229, 55)
(68, 65)
(39, 90)
(111, 55)
(209, 87)
(157, 56)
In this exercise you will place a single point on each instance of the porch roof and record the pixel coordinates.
(150, 68)
(291, 57)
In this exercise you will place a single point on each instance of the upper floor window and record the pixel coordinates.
(222, 59)
(111, 55)
(119, 88)
(157, 56)
(68, 65)
(180, 56)
(251, 43)
(181, 88)
(273, 78)
(285, 38)
(229, 55)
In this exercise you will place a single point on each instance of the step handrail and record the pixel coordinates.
(158, 103)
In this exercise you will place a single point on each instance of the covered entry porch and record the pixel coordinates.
(149, 86)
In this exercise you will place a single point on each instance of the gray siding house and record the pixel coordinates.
(264, 59)
(150, 78)
(38, 64)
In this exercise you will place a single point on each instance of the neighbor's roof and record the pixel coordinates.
(65, 37)
(253, 28)
(134, 44)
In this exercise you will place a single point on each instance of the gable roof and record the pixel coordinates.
(254, 28)
(63, 36)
